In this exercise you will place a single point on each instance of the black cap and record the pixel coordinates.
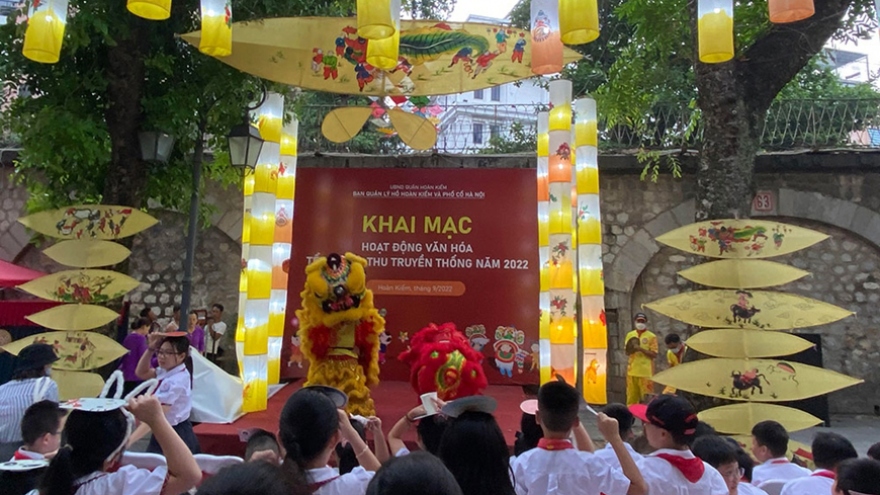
(640, 316)
(34, 357)
(673, 414)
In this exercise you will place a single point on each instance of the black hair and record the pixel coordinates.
(218, 306)
(859, 475)
(714, 450)
(250, 478)
(745, 461)
(175, 309)
(141, 322)
(624, 417)
(672, 338)
(419, 472)
(181, 346)
(874, 451)
(261, 440)
(529, 434)
(29, 373)
(40, 418)
(703, 429)
(346, 455)
(307, 424)
(430, 430)
(558, 405)
(830, 449)
(474, 450)
(145, 313)
(91, 438)
(772, 435)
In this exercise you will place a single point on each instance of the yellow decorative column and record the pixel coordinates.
(589, 235)
(544, 243)
(563, 330)
(259, 264)
(284, 195)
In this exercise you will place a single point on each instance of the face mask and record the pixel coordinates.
(641, 326)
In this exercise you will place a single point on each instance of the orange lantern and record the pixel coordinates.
(377, 19)
(547, 47)
(216, 39)
(153, 10)
(45, 30)
(578, 21)
(785, 11)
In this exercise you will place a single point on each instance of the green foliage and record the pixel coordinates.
(520, 140)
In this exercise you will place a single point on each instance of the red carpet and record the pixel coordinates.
(393, 400)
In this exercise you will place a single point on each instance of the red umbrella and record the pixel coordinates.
(12, 275)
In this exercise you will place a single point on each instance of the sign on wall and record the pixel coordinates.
(456, 245)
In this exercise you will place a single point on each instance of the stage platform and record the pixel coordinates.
(393, 399)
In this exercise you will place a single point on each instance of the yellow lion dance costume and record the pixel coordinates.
(339, 329)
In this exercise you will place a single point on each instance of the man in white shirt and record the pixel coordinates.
(670, 424)
(770, 446)
(829, 450)
(215, 330)
(625, 420)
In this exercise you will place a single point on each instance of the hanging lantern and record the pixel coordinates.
(377, 19)
(785, 11)
(578, 21)
(45, 30)
(153, 10)
(384, 53)
(591, 284)
(544, 244)
(547, 47)
(216, 39)
(242, 284)
(715, 30)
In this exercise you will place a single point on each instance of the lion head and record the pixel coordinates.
(336, 290)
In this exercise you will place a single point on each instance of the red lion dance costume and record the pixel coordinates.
(339, 329)
(441, 360)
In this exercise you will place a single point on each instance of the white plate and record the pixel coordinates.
(93, 405)
(23, 465)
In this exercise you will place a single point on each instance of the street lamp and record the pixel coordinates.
(245, 145)
(156, 146)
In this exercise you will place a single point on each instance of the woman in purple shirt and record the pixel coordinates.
(196, 333)
(136, 343)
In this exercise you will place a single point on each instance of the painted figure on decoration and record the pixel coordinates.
(339, 329)
(507, 346)
(442, 360)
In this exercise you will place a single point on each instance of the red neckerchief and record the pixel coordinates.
(554, 444)
(692, 469)
(780, 461)
(317, 485)
(18, 456)
(824, 473)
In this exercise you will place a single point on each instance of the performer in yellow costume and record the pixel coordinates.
(675, 351)
(641, 347)
(339, 329)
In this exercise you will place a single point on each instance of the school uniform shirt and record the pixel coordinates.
(327, 481)
(566, 471)
(780, 469)
(607, 454)
(639, 364)
(15, 397)
(663, 478)
(818, 483)
(747, 489)
(175, 390)
(128, 480)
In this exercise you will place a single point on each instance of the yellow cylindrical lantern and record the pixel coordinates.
(543, 178)
(384, 53)
(242, 285)
(45, 30)
(377, 19)
(547, 47)
(591, 284)
(153, 10)
(578, 21)
(216, 39)
(785, 11)
(715, 30)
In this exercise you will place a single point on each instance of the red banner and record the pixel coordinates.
(443, 245)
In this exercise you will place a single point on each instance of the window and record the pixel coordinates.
(496, 93)
(478, 133)
(478, 94)
(494, 131)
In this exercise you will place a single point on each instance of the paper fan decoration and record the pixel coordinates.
(742, 274)
(343, 124)
(416, 132)
(737, 343)
(77, 384)
(76, 351)
(755, 310)
(81, 286)
(99, 222)
(753, 238)
(762, 380)
(74, 317)
(87, 253)
(740, 418)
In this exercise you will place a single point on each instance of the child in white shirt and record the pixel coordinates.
(670, 424)
(857, 477)
(769, 446)
(625, 420)
(829, 450)
(722, 455)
